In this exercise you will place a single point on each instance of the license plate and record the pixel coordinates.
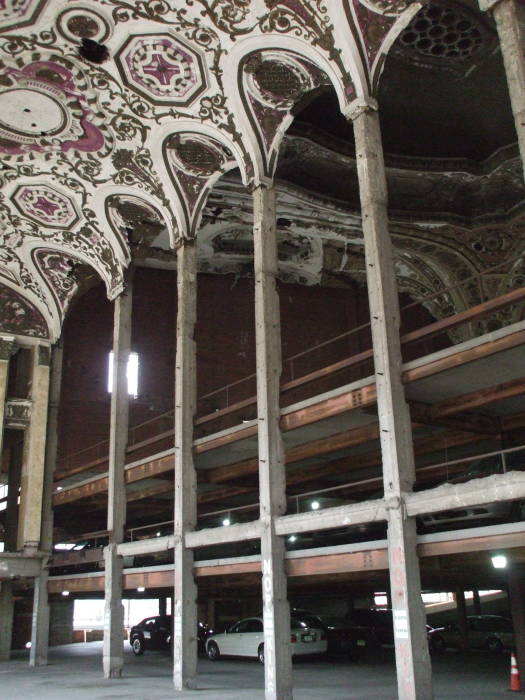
(307, 638)
(147, 635)
(361, 643)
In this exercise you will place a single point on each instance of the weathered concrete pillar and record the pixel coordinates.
(32, 480)
(113, 647)
(509, 16)
(459, 597)
(476, 602)
(412, 657)
(6, 347)
(6, 619)
(517, 609)
(185, 516)
(40, 623)
(272, 478)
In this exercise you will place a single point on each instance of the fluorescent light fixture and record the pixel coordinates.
(140, 589)
(499, 561)
(314, 505)
(132, 373)
(65, 593)
(226, 522)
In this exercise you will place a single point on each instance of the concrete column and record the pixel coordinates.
(162, 605)
(185, 516)
(272, 478)
(459, 597)
(113, 647)
(6, 346)
(6, 619)
(40, 623)
(412, 657)
(476, 602)
(517, 609)
(32, 480)
(509, 16)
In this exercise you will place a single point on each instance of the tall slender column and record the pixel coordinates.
(412, 657)
(185, 516)
(272, 478)
(32, 480)
(509, 16)
(113, 646)
(40, 624)
(517, 609)
(6, 619)
(6, 346)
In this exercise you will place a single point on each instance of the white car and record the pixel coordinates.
(246, 638)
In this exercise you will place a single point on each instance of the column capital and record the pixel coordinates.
(183, 241)
(7, 343)
(359, 106)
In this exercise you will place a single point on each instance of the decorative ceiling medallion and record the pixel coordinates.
(162, 68)
(46, 206)
(19, 316)
(42, 109)
(440, 30)
(78, 23)
(58, 270)
(18, 13)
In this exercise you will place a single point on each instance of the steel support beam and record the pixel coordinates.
(185, 515)
(113, 646)
(40, 622)
(272, 478)
(509, 16)
(32, 479)
(412, 657)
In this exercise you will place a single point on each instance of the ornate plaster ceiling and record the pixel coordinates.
(108, 160)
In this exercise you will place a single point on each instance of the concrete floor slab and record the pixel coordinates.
(75, 673)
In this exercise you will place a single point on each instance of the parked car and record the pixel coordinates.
(156, 633)
(342, 635)
(246, 638)
(379, 620)
(491, 632)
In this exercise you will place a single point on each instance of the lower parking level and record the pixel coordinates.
(75, 671)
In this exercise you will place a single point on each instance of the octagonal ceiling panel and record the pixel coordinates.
(18, 13)
(46, 206)
(162, 68)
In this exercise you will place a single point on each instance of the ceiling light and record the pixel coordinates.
(140, 589)
(499, 561)
(314, 505)
(226, 522)
(60, 488)
(66, 593)
(292, 538)
(158, 534)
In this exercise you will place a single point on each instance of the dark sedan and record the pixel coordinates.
(156, 632)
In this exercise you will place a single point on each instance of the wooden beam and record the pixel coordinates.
(481, 397)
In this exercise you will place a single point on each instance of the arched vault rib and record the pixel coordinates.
(266, 78)
(194, 156)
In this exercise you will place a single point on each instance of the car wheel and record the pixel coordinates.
(494, 644)
(437, 644)
(137, 646)
(260, 654)
(213, 651)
